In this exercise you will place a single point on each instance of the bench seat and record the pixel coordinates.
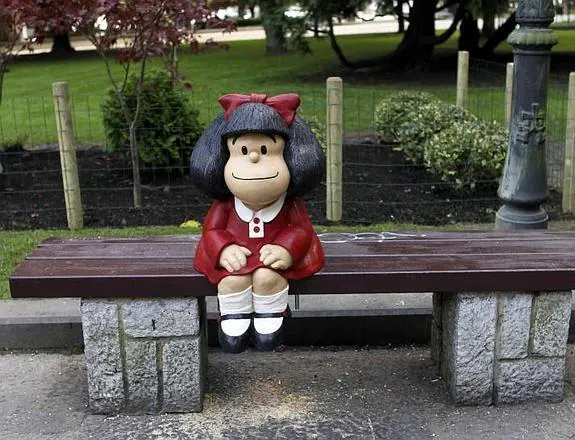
(355, 263)
(502, 304)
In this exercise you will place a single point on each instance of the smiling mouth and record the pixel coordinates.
(256, 178)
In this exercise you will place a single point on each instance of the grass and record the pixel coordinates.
(27, 115)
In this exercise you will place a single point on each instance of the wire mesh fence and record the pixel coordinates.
(487, 100)
(379, 184)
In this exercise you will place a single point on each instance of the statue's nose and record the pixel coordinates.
(254, 157)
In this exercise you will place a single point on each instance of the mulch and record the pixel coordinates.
(379, 186)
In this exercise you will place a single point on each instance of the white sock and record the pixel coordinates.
(231, 304)
(276, 303)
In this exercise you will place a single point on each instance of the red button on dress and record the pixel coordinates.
(256, 229)
(256, 220)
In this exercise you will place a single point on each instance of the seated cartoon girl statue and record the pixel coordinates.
(256, 159)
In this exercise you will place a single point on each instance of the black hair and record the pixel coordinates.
(302, 152)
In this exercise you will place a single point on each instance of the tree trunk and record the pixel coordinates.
(400, 17)
(315, 26)
(499, 36)
(488, 25)
(469, 37)
(61, 45)
(3, 70)
(421, 27)
(273, 21)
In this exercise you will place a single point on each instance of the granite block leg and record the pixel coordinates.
(145, 356)
(504, 348)
(469, 321)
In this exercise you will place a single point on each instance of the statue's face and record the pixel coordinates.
(256, 172)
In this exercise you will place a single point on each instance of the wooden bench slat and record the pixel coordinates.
(335, 264)
(537, 235)
(142, 250)
(335, 283)
(492, 261)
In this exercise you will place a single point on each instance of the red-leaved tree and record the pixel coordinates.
(11, 42)
(128, 32)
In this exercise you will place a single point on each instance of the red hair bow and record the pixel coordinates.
(285, 104)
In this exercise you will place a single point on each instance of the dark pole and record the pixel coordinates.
(523, 187)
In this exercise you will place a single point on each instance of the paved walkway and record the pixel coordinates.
(257, 33)
(298, 393)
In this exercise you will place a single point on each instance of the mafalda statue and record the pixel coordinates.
(256, 159)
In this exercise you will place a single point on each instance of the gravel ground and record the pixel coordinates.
(322, 393)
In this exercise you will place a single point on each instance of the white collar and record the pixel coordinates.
(267, 214)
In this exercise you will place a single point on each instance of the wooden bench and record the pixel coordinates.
(502, 304)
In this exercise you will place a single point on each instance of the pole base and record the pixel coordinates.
(514, 217)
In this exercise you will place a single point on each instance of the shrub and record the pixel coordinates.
(396, 109)
(467, 152)
(318, 129)
(424, 122)
(168, 123)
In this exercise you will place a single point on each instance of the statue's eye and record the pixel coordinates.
(244, 150)
(264, 149)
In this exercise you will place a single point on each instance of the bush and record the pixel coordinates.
(467, 152)
(168, 123)
(396, 109)
(424, 122)
(318, 129)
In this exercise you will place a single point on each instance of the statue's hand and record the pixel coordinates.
(234, 257)
(275, 257)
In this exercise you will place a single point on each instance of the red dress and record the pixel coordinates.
(289, 228)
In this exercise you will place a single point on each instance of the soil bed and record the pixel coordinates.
(379, 186)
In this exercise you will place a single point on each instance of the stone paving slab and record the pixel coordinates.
(323, 393)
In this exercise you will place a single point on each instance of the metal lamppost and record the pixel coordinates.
(524, 185)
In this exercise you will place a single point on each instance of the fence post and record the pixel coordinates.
(462, 78)
(508, 94)
(334, 95)
(68, 163)
(569, 166)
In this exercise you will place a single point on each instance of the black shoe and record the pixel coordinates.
(233, 344)
(269, 341)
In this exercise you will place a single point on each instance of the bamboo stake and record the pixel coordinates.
(462, 78)
(569, 166)
(508, 94)
(334, 93)
(68, 163)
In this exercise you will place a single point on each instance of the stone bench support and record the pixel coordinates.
(145, 355)
(150, 355)
(501, 348)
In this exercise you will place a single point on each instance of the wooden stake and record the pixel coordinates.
(462, 78)
(334, 93)
(68, 163)
(569, 166)
(508, 94)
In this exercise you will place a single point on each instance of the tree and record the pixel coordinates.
(420, 38)
(250, 5)
(146, 28)
(10, 30)
(61, 44)
(470, 33)
(274, 23)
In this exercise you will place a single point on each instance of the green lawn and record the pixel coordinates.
(27, 114)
